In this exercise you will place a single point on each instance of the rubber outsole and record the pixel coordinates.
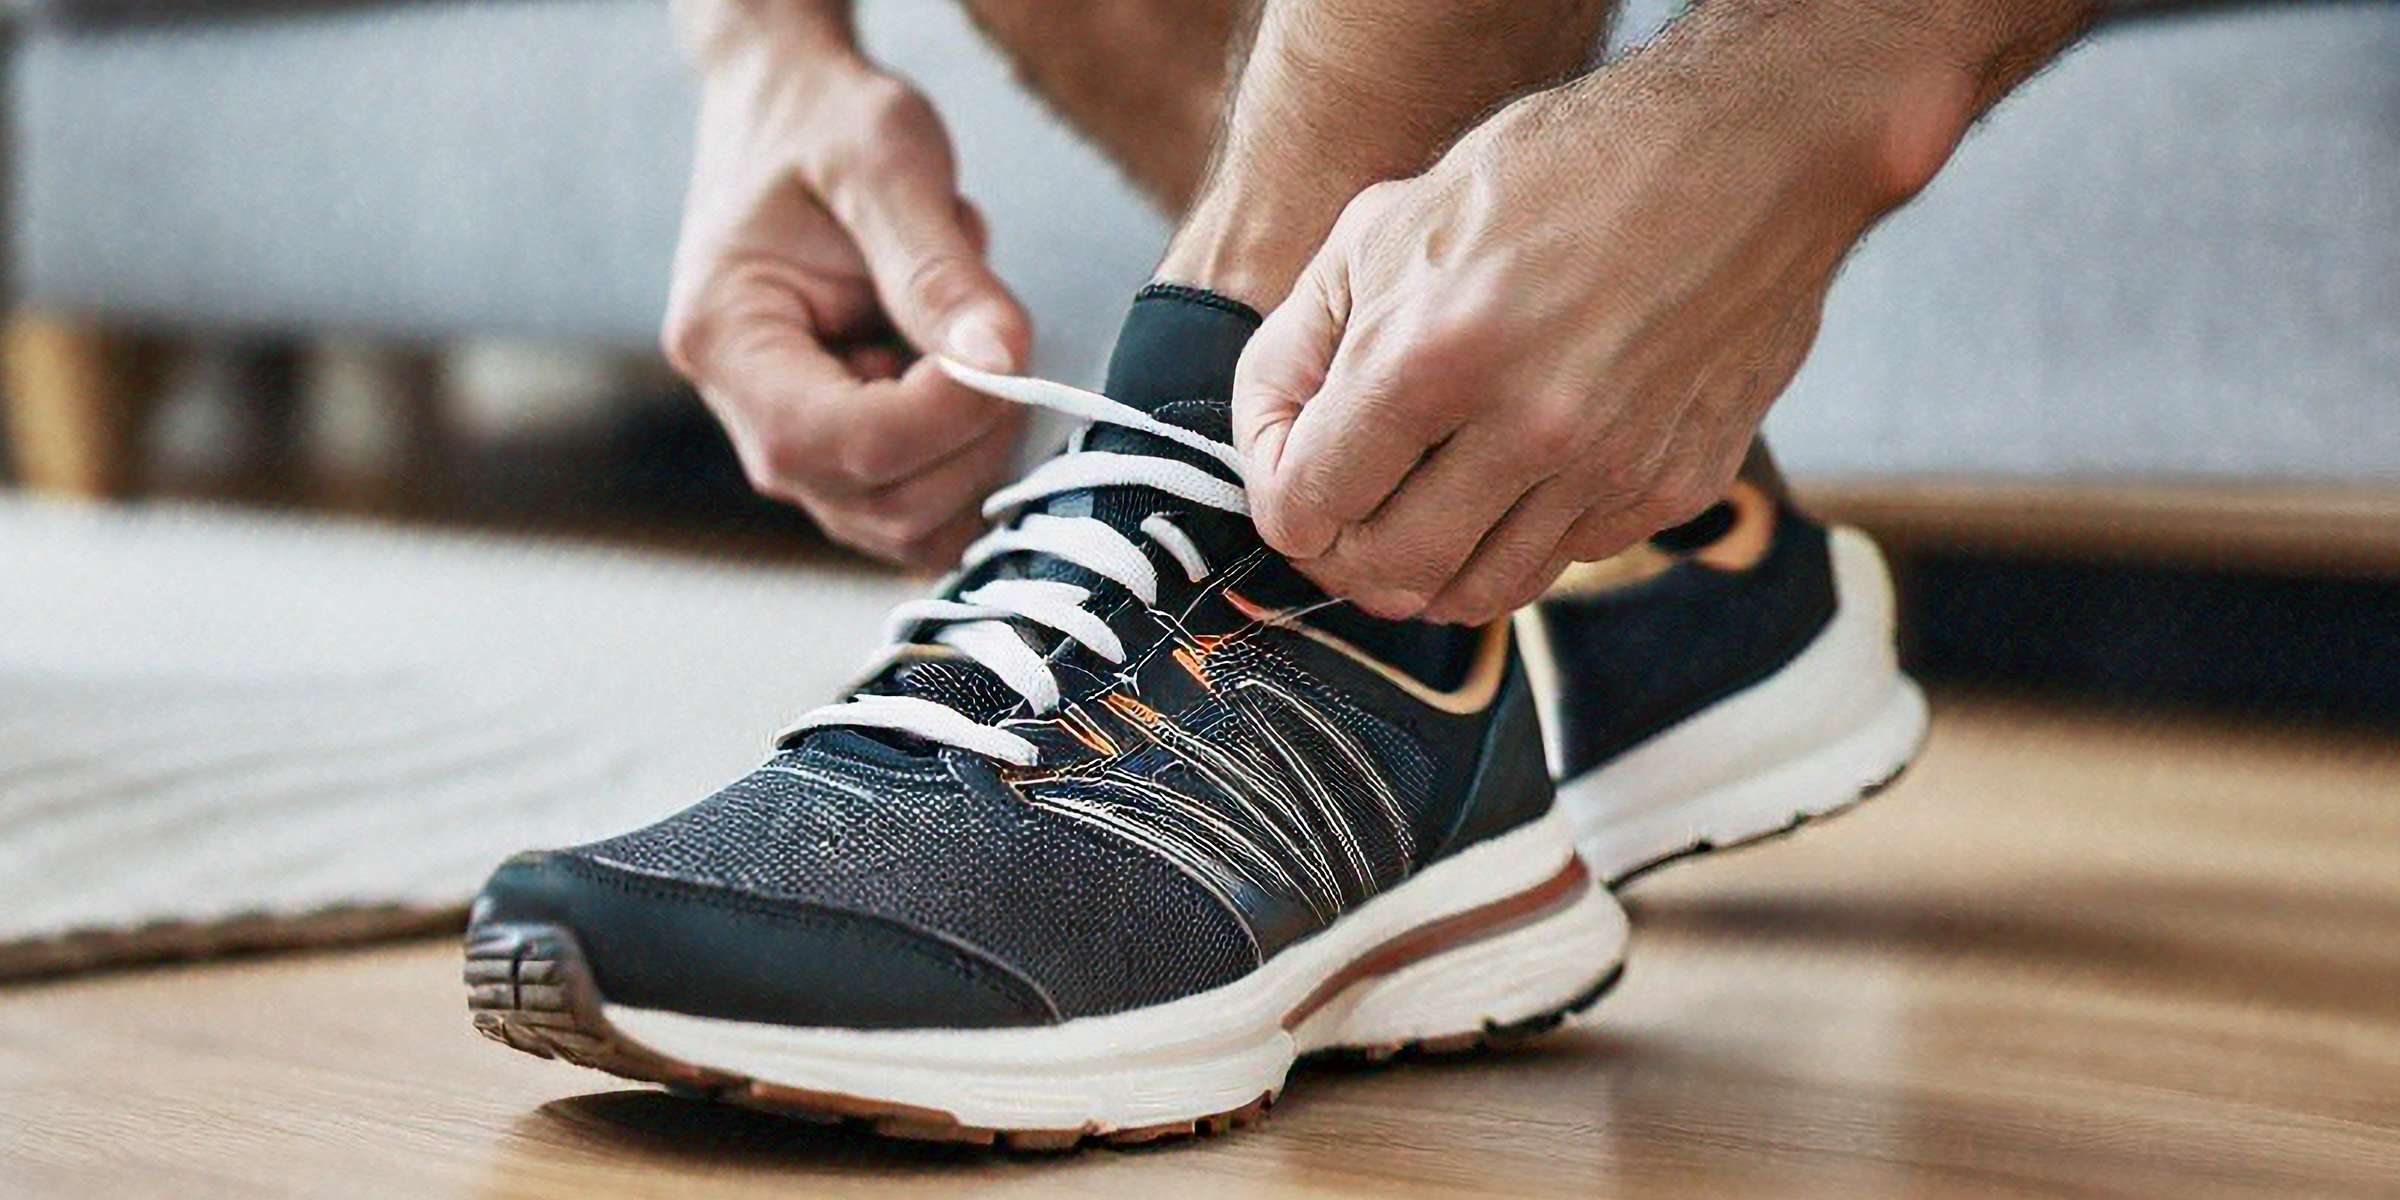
(1799, 820)
(530, 988)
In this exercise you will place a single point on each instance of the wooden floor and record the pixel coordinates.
(2073, 955)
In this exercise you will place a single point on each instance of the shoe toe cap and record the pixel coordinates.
(687, 947)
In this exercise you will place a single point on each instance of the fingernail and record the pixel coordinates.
(976, 341)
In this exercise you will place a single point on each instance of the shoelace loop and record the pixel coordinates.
(977, 623)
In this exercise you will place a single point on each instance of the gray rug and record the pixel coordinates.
(224, 732)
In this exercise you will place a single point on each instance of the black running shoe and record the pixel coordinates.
(1730, 680)
(1131, 818)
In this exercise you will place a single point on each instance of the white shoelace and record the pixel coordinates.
(977, 622)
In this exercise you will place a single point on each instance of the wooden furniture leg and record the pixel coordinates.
(72, 399)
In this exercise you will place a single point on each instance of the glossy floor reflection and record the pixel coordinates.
(2073, 954)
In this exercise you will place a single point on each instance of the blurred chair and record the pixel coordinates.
(2163, 280)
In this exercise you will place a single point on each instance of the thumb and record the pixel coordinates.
(1281, 370)
(924, 246)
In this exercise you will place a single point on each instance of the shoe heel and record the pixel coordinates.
(1510, 984)
(1511, 787)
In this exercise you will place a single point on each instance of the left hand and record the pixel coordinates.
(1557, 341)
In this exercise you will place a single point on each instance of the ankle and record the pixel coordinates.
(1252, 257)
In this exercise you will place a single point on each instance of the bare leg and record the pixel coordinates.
(1144, 80)
(1337, 95)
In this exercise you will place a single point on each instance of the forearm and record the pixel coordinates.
(1877, 93)
(766, 68)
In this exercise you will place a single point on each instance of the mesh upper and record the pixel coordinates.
(938, 843)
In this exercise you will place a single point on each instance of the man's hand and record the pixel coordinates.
(1562, 337)
(825, 251)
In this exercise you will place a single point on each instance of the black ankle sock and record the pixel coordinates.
(1178, 343)
(1178, 347)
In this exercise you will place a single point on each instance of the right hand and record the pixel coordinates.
(825, 253)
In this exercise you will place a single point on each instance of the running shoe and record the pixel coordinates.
(1729, 680)
(1129, 818)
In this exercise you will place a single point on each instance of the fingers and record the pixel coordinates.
(923, 521)
(825, 252)
(1513, 563)
(1395, 562)
(759, 367)
(1329, 414)
(1281, 371)
(922, 418)
(894, 466)
(924, 245)
(1681, 482)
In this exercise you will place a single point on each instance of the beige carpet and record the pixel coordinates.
(223, 732)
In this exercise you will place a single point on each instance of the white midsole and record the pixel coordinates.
(1215, 1051)
(1813, 737)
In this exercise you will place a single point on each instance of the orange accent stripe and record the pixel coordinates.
(1089, 734)
(1192, 665)
(1471, 696)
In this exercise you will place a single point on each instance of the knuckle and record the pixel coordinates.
(881, 135)
(941, 282)
(791, 455)
(871, 460)
(1452, 347)
(1463, 606)
(1475, 597)
(761, 478)
(894, 533)
(898, 520)
(684, 339)
(1370, 202)
(1615, 485)
(1284, 515)
(1404, 403)
(1480, 608)
(863, 536)
(1421, 574)
(874, 133)
(1553, 432)
(761, 472)
(1595, 544)
(1681, 493)
(1334, 572)
(1274, 523)
(893, 113)
(770, 469)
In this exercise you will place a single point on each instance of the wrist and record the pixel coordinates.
(722, 37)
(1870, 116)
(1881, 91)
(767, 76)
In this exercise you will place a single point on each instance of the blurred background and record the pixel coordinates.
(2122, 393)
